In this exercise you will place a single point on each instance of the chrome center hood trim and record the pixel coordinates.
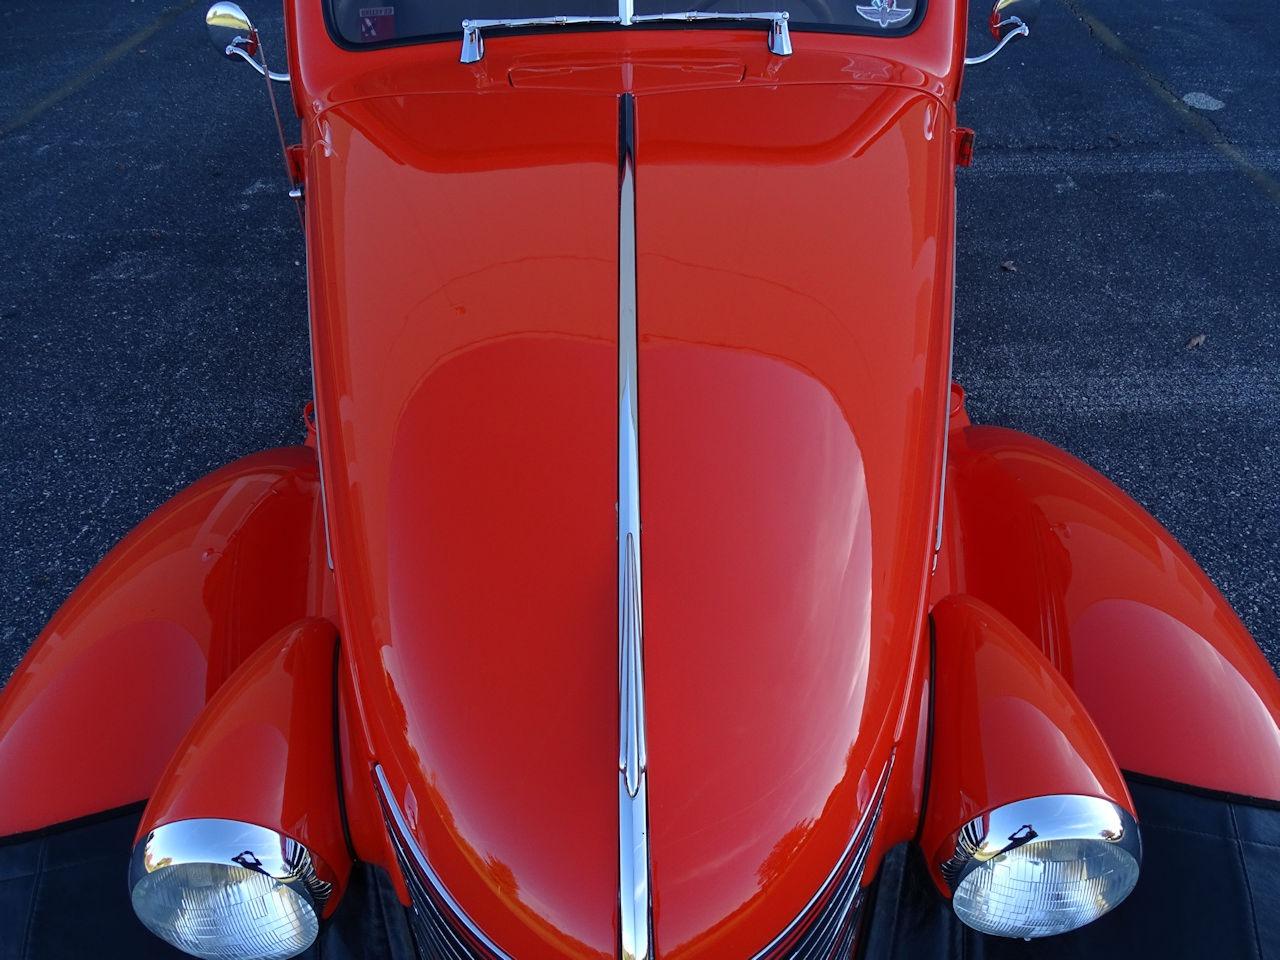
(633, 795)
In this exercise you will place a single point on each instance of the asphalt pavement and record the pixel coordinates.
(1123, 203)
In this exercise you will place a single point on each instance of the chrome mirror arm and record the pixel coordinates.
(235, 50)
(1021, 30)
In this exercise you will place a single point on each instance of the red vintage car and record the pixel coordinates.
(642, 589)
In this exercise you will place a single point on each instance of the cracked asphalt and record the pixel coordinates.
(153, 302)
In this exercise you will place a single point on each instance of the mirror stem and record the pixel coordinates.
(259, 63)
(233, 49)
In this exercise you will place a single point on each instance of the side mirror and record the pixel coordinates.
(1009, 19)
(230, 29)
(233, 35)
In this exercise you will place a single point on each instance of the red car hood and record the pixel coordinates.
(793, 287)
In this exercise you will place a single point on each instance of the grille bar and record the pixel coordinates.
(827, 925)
(824, 930)
(441, 927)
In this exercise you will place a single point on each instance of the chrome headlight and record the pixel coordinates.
(225, 890)
(1043, 866)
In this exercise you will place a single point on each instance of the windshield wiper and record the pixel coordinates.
(473, 39)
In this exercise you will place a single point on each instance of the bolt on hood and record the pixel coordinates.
(793, 251)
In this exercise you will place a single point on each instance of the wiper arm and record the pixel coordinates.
(779, 34)
(473, 39)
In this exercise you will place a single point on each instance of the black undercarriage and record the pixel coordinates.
(1210, 888)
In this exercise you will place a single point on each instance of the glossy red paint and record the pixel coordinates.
(94, 711)
(792, 396)
(795, 238)
(1172, 678)
(423, 349)
(467, 416)
(1006, 727)
(262, 750)
(467, 400)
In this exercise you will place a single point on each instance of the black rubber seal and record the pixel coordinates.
(66, 825)
(928, 748)
(337, 747)
(1208, 793)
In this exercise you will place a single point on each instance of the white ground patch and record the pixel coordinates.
(1202, 101)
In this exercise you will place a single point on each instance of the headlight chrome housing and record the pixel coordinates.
(1043, 866)
(226, 890)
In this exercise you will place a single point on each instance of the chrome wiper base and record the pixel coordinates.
(473, 39)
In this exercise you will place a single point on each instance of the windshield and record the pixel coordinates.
(360, 23)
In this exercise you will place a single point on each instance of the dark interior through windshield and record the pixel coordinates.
(363, 23)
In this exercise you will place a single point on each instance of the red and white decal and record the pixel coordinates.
(377, 23)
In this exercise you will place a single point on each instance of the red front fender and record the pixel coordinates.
(1006, 727)
(94, 711)
(1166, 669)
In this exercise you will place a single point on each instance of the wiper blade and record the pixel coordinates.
(473, 38)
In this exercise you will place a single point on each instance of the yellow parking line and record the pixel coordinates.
(84, 76)
(1196, 121)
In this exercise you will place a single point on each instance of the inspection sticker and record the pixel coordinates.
(377, 23)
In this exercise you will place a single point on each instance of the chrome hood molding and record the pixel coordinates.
(788, 466)
(633, 793)
(473, 488)
(784, 471)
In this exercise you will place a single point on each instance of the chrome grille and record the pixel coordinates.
(441, 930)
(434, 935)
(824, 930)
(827, 926)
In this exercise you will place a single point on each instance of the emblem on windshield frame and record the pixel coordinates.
(885, 12)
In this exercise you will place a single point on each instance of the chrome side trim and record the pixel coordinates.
(824, 922)
(315, 413)
(633, 793)
(408, 848)
(324, 499)
(946, 409)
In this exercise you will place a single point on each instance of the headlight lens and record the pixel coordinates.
(225, 890)
(1043, 866)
